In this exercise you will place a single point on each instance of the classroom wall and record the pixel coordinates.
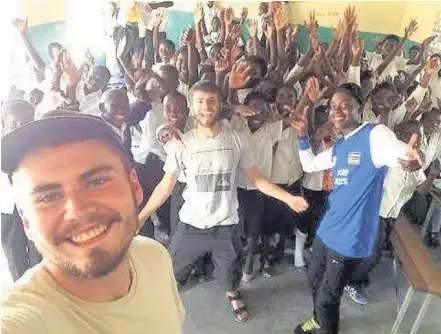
(47, 19)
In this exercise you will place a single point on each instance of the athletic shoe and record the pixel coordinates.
(310, 326)
(357, 294)
(302, 269)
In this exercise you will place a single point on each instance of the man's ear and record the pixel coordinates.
(136, 186)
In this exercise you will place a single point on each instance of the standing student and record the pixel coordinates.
(78, 195)
(15, 244)
(211, 155)
(263, 134)
(347, 232)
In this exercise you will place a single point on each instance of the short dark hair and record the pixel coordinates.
(383, 85)
(168, 43)
(413, 47)
(392, 37)
(256, 95)
(260, 62)
(407, 123)
(11, 106)
(179, 96)
(205, 86)
(353, 90)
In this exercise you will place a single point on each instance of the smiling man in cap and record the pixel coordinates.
(78, 197)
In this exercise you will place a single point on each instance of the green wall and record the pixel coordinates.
(43, 34)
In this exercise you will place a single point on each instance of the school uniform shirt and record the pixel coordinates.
(261, 142)
(358, 161)
(209, 14)
(148, 143)
(431, 147)
(211, 164)
(374, 60)
(38, 304)
(435, 86)
(89, 104)
(396, 116)
(7, 198)
(399, 187)
(286, 167)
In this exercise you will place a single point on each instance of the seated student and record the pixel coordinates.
(78, 196)
(16, 246)
(346, 235)
(264, 133)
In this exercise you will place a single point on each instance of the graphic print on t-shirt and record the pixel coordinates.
(214, 169)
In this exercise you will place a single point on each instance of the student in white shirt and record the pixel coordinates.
(263, 134)
(16, 246)
(286, 170)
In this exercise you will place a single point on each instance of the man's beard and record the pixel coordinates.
(101, 262)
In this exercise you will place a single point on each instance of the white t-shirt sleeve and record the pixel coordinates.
(314, 163)
(173, 162)
(385, 148)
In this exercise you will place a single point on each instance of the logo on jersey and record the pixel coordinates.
(354, 158)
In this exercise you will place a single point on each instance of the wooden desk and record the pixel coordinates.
(435, 202)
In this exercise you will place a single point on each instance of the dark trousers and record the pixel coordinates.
(176, 202)
(279, 218)
(360, 274)
(19, 251)
(328, 273)
(307, 222)
(223, 242)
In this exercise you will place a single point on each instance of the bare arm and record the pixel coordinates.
(30, 49)
(159, 196)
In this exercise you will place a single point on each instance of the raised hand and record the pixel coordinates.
(411, 106)
(300, 121)
(427, 41)
(350, 17)
(280, 20)
(269, 28)
(357, 47)
(244, 13)
(198, 13)
(313, 90)
(414, 155)
(158, 19)
(432, 66)
(221, 14)
(252, 28)
(240, 75)
(410, 29)
(190, 37)
(339, 32)
(229, 16)
(312, 25)
(21, 25)
(235, 32)
(221, 65)
(243, 111)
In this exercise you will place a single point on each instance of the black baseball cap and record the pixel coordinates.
(54, 129)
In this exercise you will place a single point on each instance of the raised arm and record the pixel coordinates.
(30, 49)
(410, 29)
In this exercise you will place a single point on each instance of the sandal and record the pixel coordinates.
(240, 311)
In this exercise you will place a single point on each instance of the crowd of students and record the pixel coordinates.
(240, 146)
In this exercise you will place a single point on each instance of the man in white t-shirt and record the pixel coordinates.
(211, 155)
(78, 197)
